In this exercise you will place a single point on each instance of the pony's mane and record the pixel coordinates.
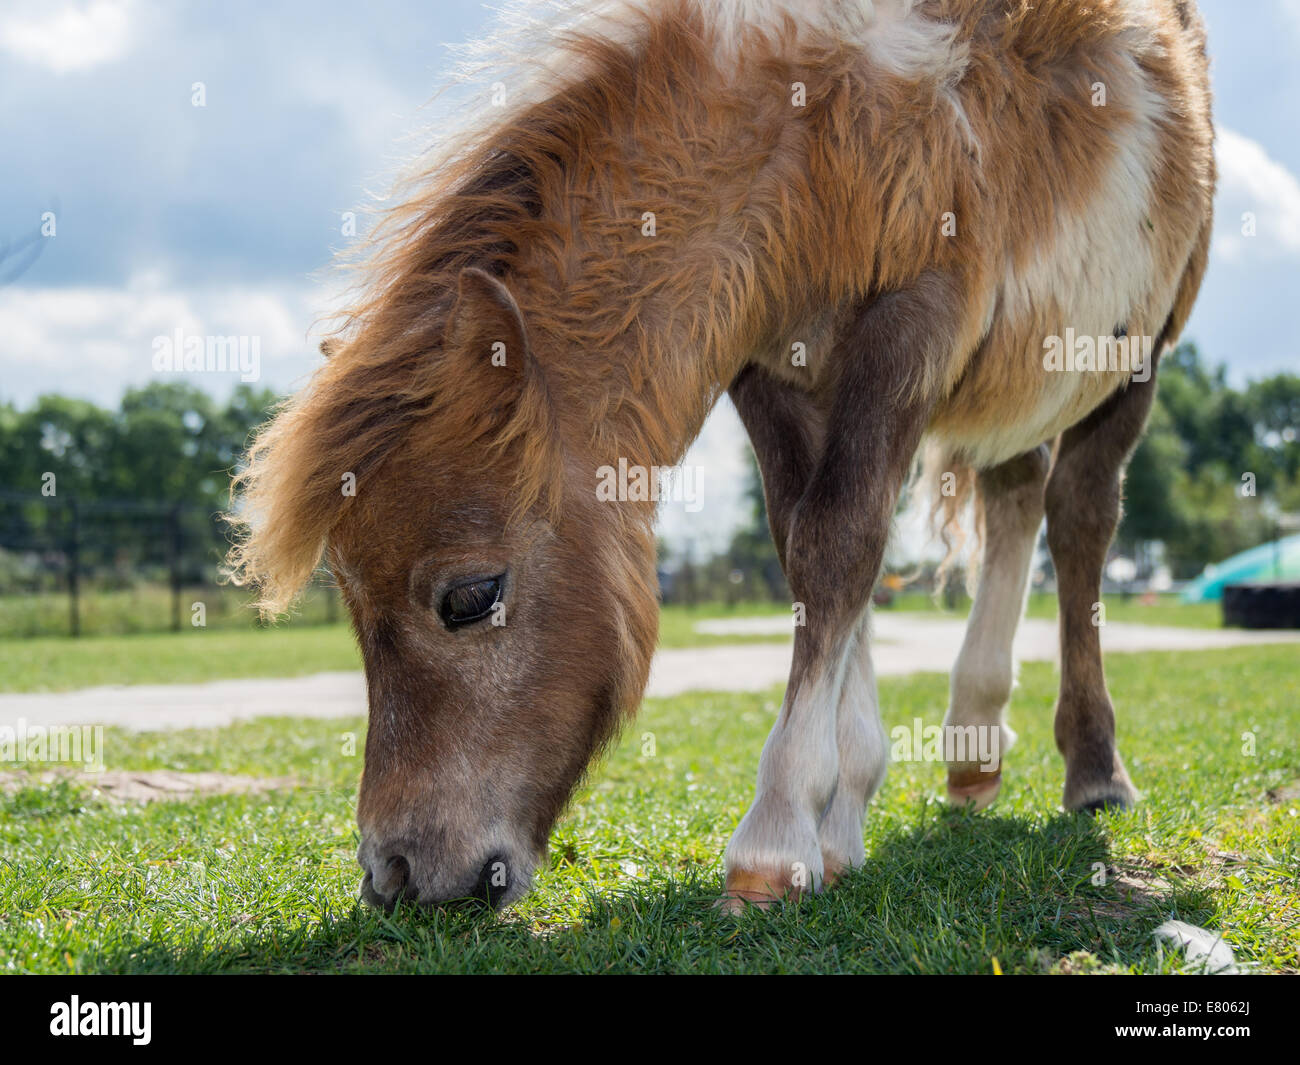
(614, 111)
(474, 203)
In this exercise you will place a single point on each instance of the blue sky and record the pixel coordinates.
(221, 219)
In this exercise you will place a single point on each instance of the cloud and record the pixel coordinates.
(1291, 11)
(95, 341)
(1252, 183)
(71, 39)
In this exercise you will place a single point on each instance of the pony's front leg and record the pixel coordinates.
(787, 427)
(824, 756)
(863, 753)
(879, 401)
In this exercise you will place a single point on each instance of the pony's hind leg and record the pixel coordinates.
(878, 404)
(1011, 499)
(1083, 507)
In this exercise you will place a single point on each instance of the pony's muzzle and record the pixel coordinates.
(388, 880)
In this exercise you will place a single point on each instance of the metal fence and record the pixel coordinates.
(71, 566)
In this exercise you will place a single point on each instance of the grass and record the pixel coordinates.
(677, 623)
(1166, 610)
(148, 608)
(231, 884)
(57, 663)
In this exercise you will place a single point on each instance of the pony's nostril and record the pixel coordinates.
(493, 881)
(386, 881)
(399, 872)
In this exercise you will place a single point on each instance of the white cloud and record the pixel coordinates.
(1252, 183)
(71, 39)
(94, 342)
(1291, 10)
(373, 109)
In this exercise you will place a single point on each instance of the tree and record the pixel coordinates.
(1210, 457)
(752, 552)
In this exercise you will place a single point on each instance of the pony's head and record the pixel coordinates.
(506, 616)
(516, 334)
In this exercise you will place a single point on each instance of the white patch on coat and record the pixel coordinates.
(523, 55)
(863, 758)
(799, 770)
(892, 34)
(897, 37)
(1099, 266)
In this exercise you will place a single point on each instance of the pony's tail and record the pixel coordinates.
(950, 483)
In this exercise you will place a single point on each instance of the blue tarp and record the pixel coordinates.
(1258, 564)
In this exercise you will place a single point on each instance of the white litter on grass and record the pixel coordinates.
(1200, 944)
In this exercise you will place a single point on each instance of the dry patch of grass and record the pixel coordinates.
(145, 785)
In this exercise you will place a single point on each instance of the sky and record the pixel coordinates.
(222, 219)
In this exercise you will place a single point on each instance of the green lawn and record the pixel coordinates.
(57, 663)
(148, 607)
(1167, 610)
(268, 884)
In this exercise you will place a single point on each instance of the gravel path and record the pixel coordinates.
(904, 644)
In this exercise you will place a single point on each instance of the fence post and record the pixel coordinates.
(74, 566)
(174, 563)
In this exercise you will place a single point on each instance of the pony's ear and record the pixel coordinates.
(487, 325)
(487, 340)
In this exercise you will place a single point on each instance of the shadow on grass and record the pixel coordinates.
(947, 895)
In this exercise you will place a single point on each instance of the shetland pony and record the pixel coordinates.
(871, 222)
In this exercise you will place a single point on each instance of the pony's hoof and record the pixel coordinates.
(973, 787)
(1093, 792)
(1105, 802)
(832, 870)
(747, 888)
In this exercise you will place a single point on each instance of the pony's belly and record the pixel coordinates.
(1005, 407)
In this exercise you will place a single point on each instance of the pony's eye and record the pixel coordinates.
(468, 602)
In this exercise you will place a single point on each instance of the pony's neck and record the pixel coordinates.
(654, 300)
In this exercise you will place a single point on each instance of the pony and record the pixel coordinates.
(870, 223)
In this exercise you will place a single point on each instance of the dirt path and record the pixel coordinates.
(904, 644)
(909, 643)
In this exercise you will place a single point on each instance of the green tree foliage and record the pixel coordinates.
(166, 443)
(149, 481)
(752, 552)
(1212, 461)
